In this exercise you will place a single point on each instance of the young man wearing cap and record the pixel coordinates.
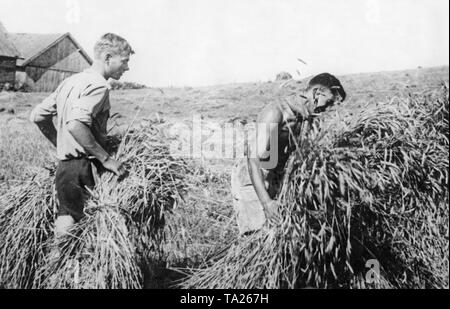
(256, 179)
(82, 105)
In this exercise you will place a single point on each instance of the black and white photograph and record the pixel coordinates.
(248, 146)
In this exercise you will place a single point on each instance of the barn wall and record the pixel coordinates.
(75, 62)
(57, 53)
(7, 70)
(46, 72)
(48, 79)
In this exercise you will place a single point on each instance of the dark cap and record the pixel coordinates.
(329, 81)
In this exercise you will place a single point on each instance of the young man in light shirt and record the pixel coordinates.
(81, 104)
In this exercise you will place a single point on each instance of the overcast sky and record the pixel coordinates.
(204, 42)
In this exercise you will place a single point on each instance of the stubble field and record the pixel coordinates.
(202, 224)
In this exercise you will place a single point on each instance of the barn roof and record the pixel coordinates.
(7, 48)
(32, 45)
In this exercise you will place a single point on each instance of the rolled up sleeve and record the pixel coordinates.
(44, 110)
(88, 105)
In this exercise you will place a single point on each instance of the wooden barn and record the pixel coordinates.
(47, 59)
(8, 58)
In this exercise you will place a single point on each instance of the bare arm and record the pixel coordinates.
(268, 117)
(257, 178)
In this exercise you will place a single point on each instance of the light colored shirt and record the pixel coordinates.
(83, 97)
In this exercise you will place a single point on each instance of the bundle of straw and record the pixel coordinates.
(370, 188)
(155, 182)
(26, 219)
(98, 254)
(124, 222)
(136, 220)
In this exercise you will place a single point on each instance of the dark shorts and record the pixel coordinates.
(72, 178)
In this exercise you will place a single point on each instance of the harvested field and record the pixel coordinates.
(369, 183)
(359, 188)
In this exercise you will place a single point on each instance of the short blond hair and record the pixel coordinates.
(114, 44)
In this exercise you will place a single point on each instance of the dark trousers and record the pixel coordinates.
(72, 178)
